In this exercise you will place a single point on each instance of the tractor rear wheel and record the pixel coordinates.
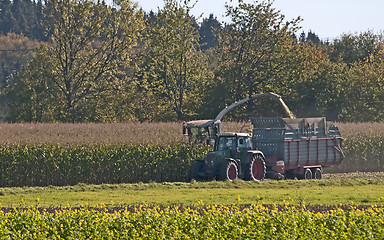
(228, 171)
(255, 170)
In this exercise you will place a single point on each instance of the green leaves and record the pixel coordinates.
(255, 50)
(84, 66)
(172, 64)
(43, 165)
(108, 63)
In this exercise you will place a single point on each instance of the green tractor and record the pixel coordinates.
(231, 158)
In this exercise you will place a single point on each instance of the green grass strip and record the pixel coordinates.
(324, 192)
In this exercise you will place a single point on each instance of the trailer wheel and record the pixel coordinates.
(255, 170)
(228, 171)
(307, 174)
(317, 173)
(196, 168)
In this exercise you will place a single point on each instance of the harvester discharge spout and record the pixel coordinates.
(259, 95)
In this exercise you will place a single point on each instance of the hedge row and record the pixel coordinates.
(43, 165)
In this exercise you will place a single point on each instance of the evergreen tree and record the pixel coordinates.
(302, 37)
(208, 30)
(6, 18)
(312, 37)
(22, 17)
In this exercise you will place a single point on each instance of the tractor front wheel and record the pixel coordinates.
(228, 171)
(255, 170)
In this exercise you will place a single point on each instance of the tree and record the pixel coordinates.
(33, 97)
(256, 49)
(16, 50)
(86, 62)
(364, 90)
(317, 86)
(312, 37)
(22, 17)
(208, 29)
(172, 66)
(353, 48)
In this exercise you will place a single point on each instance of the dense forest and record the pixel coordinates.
(87, 61)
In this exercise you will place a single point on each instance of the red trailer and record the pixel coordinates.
(298, 147)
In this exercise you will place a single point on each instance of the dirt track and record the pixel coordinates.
(367, 175)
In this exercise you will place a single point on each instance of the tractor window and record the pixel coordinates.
(244, 142)
(198, 135)
(241, 143)
(226, 143)
(211, 130)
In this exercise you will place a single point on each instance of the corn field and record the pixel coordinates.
(43, 165)
(363, 147)
(67, 154)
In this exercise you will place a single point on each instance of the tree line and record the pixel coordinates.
(94, 62)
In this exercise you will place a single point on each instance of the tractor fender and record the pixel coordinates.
(254, 152)
(236, 161)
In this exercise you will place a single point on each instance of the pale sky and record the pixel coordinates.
(327, 18)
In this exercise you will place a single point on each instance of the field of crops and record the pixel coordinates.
(95, 133)
(115, 133)
(67, 154)
(58, 165)
(197, 222)
(363, 147)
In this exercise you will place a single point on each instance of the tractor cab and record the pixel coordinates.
(233, 142)
(201, 131)
(232, 145)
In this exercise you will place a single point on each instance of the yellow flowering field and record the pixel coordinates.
(195, 222)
